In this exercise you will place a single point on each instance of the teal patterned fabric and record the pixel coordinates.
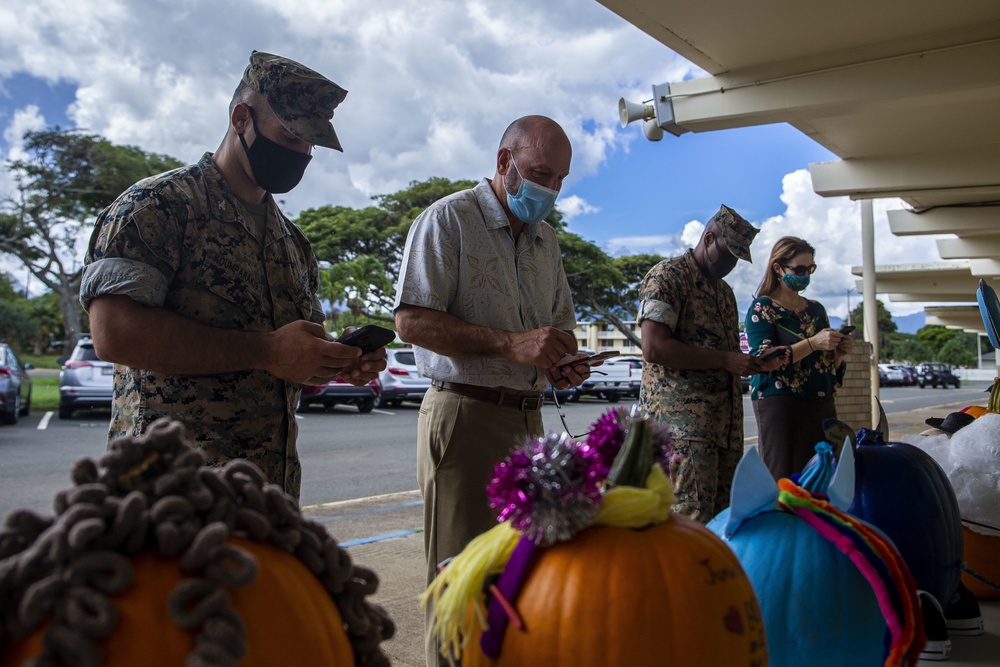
(768, 325)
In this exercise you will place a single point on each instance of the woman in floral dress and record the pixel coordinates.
(791, 403)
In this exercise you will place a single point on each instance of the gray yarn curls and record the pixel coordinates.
(154, 492)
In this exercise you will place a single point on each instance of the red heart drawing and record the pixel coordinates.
(733, 621)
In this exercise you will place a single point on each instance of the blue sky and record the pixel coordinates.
(432, 84)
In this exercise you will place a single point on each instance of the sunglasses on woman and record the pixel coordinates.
(800, 270)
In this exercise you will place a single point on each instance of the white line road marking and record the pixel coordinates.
(44, 423)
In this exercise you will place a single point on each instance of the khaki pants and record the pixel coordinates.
(459, 440)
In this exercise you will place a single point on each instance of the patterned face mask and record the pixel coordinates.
(796, 283)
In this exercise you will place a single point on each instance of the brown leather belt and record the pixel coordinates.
(494, 396)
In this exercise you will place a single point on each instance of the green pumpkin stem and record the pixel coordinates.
(994, 402)
(635, 458)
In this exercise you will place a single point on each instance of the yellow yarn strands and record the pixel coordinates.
(458, 589)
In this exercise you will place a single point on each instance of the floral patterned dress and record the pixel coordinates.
(814, 376)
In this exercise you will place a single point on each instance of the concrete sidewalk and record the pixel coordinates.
(385, 533)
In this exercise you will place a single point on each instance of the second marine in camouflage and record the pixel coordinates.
(691, 379)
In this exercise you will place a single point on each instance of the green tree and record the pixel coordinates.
(17, 326)
(956, 352)
(67, 178)
(935, 337)
(367, 244)
(886, 326)
(363, 284)
(912, 351)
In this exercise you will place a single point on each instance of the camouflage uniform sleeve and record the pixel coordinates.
(661, 296)
(134, 250)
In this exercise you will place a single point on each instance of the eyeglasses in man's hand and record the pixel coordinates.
(562, 415)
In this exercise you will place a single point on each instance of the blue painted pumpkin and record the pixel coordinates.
(904, 492)
(817, 606)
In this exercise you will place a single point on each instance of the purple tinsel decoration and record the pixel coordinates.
(549, 488)
(607, 435)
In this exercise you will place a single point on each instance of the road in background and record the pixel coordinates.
(345, 454)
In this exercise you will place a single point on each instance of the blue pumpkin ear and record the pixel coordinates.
(883, 423)
(841, 490)
(754, 491)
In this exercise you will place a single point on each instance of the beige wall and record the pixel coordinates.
(600, 337)
(854, 398)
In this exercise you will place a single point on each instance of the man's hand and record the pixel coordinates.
(301, 352)
(568, 375)
(739, 364)
(541, 347)
(775, 362)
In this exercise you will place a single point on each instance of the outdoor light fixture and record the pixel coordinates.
(656, 115)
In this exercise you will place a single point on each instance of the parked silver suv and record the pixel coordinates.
(401, 381)
(85, 381)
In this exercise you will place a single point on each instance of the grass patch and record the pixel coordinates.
(40, 360)
(44, 394)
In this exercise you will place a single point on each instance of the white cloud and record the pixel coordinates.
(831, 225)
(432, 85)
(574, 206)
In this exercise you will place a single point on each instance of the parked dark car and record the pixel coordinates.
(365, 397)
(936, 373)
(15, 386)
(85, 380)
(571, 395)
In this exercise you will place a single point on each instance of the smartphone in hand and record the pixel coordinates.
(847, 329)
(369, 338)
(592, 359)
(771, 354)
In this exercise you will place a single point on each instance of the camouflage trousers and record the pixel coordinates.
(702, 474)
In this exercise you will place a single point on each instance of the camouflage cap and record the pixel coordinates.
(303, 100)
(739, 233)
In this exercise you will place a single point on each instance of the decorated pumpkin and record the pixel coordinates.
(832, 589)
(971, 459)
(623, 581)
(902, 491)
(155, 560)
(981, 573)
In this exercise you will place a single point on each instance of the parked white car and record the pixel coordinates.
(85, 380)
(611, 381)
(889, 375)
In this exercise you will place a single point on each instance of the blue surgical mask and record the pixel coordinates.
(532, 202)
(794, 282)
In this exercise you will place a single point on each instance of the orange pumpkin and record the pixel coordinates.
(672, 593)
(288, 615)
(982, 556)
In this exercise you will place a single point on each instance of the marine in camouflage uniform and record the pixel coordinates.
(703, 406)
(184, 242)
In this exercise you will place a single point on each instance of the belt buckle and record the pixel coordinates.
(535, 403)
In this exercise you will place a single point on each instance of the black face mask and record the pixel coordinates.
(275, 168)
(725, 262)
